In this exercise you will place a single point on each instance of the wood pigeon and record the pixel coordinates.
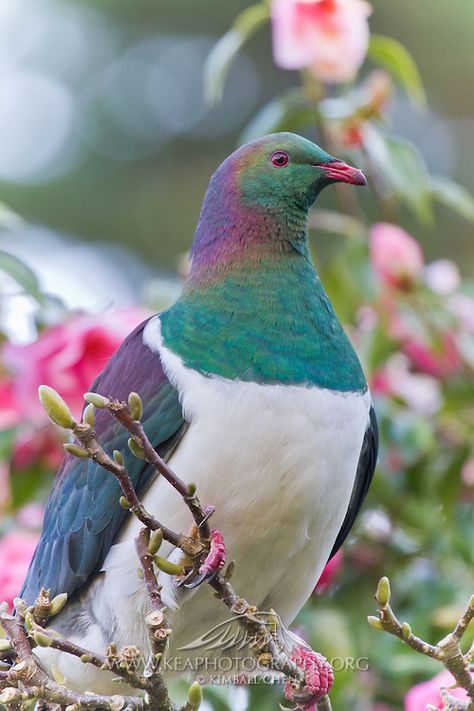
(252, 390)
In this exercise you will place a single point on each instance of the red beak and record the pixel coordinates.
(343, 173)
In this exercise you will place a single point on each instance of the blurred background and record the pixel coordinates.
(106, 148)
(105, 137)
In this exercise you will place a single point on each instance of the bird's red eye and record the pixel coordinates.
(280, 159)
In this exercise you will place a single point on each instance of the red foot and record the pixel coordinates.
(319, 677)
(216, 557)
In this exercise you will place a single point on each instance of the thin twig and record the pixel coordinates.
(121, 412)
(447, 651)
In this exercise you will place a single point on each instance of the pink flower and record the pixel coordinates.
(462, 306)
(30, 516)
(16, 552)
(10, 414)
(68, 357)
(421, 393)
(439, 360)
(330, 573)
(442, 276)
(330, 37)
(37, 445)
(396, 257)
(428, 692)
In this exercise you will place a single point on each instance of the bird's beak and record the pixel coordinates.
(342, 173)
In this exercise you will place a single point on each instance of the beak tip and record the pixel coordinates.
(342, 173)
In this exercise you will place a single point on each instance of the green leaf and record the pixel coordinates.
(286, 113)
(394, 57)
(223, 53)
(454, 196)
(21, 273)
(403, 170)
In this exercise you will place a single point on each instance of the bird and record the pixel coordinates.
(252, 390)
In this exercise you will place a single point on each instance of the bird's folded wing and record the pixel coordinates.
(364, 475)
(83, 514)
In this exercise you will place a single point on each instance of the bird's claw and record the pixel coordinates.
(208, 510)
(214, 562)
(196, 581)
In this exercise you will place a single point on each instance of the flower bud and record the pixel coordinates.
(167, 566)
(135, 449)
(118, 458)
(375, 623)
(383, 592)
(55, 407)
(57, 604)
(41, 639)
(124, 503)
(156, 540)
(136, 406)
(99, 401)
(75, 450)
(88, 416)
(195, 696)
(406, 630)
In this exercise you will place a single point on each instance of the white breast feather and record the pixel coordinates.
(278, 462)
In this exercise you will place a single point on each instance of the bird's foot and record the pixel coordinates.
(214, 562)
(208, 511)
(319, 678)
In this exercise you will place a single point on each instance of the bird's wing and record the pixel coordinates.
(83, 514)
(364, 475)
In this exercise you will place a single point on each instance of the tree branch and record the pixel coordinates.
(447, 651)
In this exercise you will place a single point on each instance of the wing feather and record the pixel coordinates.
(364, 476)
(83, 515)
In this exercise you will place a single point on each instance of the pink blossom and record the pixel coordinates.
(462, 306)
(330, 37)
(442, 276)
(367, 318)
(428, 692)
(330, 573)
(10, 414)
(30, 516)
(68, 357)
(439, 360)
(16, 552)
(36, 445)
(396, 257)
(421, 393)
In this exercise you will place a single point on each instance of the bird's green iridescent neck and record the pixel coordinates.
(253, 307)
(274, 324)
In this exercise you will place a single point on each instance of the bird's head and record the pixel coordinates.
(282, 170)
(261, 194)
